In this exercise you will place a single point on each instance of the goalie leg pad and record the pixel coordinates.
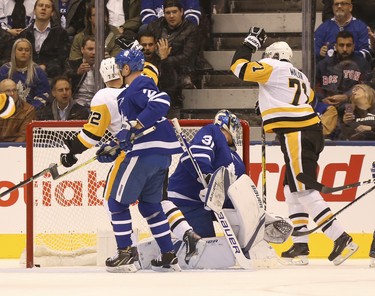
(249, 209)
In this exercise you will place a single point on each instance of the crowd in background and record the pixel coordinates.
(47, 57)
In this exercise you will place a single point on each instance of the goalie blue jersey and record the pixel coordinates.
(142, 101)
(211, 150)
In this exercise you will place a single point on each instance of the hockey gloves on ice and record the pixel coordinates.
(255, 39)
(68, 159)
(107, 153)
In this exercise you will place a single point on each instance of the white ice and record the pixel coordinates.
(354, 277)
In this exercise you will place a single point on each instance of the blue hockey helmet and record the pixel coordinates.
(134, 58)
(228, 121)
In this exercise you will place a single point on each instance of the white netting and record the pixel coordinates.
(69, 212)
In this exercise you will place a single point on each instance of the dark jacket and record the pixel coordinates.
(335, 76)
(54, 50)
(74, 18)
(362, 117)
(77, 112)
(71, 68)
(184, 41)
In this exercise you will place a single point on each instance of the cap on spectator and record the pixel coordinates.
(7, 107)
(172, 3)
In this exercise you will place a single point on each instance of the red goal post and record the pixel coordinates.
(64, 216)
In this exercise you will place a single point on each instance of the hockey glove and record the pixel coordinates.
(68, 159)
(125, 135)
(106, 153)
(255, 39)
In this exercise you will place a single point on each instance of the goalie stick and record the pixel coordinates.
(312, 183)
(244, 262)
(302, 233)
(55, 174)
(51, 167)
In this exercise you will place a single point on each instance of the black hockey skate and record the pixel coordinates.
(194, 245)
(123, 261)
(296, 255)
(166, 262)
(372, 252)
(343, 248)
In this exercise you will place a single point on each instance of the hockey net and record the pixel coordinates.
(64, 216)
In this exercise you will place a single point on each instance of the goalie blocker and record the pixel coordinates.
(253, 228)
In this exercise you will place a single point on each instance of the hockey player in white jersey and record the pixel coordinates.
(285, 96)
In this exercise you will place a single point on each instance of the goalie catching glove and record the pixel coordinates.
(255, 39)
(107, 152)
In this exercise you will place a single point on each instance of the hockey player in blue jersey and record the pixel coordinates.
(213, 147)
(140, 176)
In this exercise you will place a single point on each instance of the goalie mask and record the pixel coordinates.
(133, 57)
(279, 50)
(109, 70)
(228, 121)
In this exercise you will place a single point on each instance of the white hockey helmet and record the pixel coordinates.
(279, 50)
(228, 121)
(109, 70)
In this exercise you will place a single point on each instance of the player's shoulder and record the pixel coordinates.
(104, 95)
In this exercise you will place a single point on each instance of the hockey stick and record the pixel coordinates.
(301, 233)
(51, 167)
(264, 171)
(55, 174)
(244, 262)
(312, 183)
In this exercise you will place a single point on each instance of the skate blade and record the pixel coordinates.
(346, 253)
(194, 258)
(297, 261)
(167, 268)
(372, 262)
(128, 268)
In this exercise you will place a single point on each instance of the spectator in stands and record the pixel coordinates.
(110, 34)
(359, 117)
(50, 42)
(151, 10)
(70, 15)
(15, 16)
(178, 43)
(13, 128)
(325, 34)
(336, 75)
(362, 9)
(82, 71)
(32, 83)
(62, 107)
(124, 15)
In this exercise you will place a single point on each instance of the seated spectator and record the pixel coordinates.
(50, 43)
(359, 116)
(151, 10)
(70, 15)
(13, 128)
(62, 107)
(362, 9)
(325, 34)
(124, 15)
(178, 43)
(81, 72)
(15, 16)
(110, 34)
(337, 74)
(32, 83)
(335, 77)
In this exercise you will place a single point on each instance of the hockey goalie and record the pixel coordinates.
(253, 227)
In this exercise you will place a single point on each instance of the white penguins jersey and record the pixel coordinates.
(104, 115)
(285, 93)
